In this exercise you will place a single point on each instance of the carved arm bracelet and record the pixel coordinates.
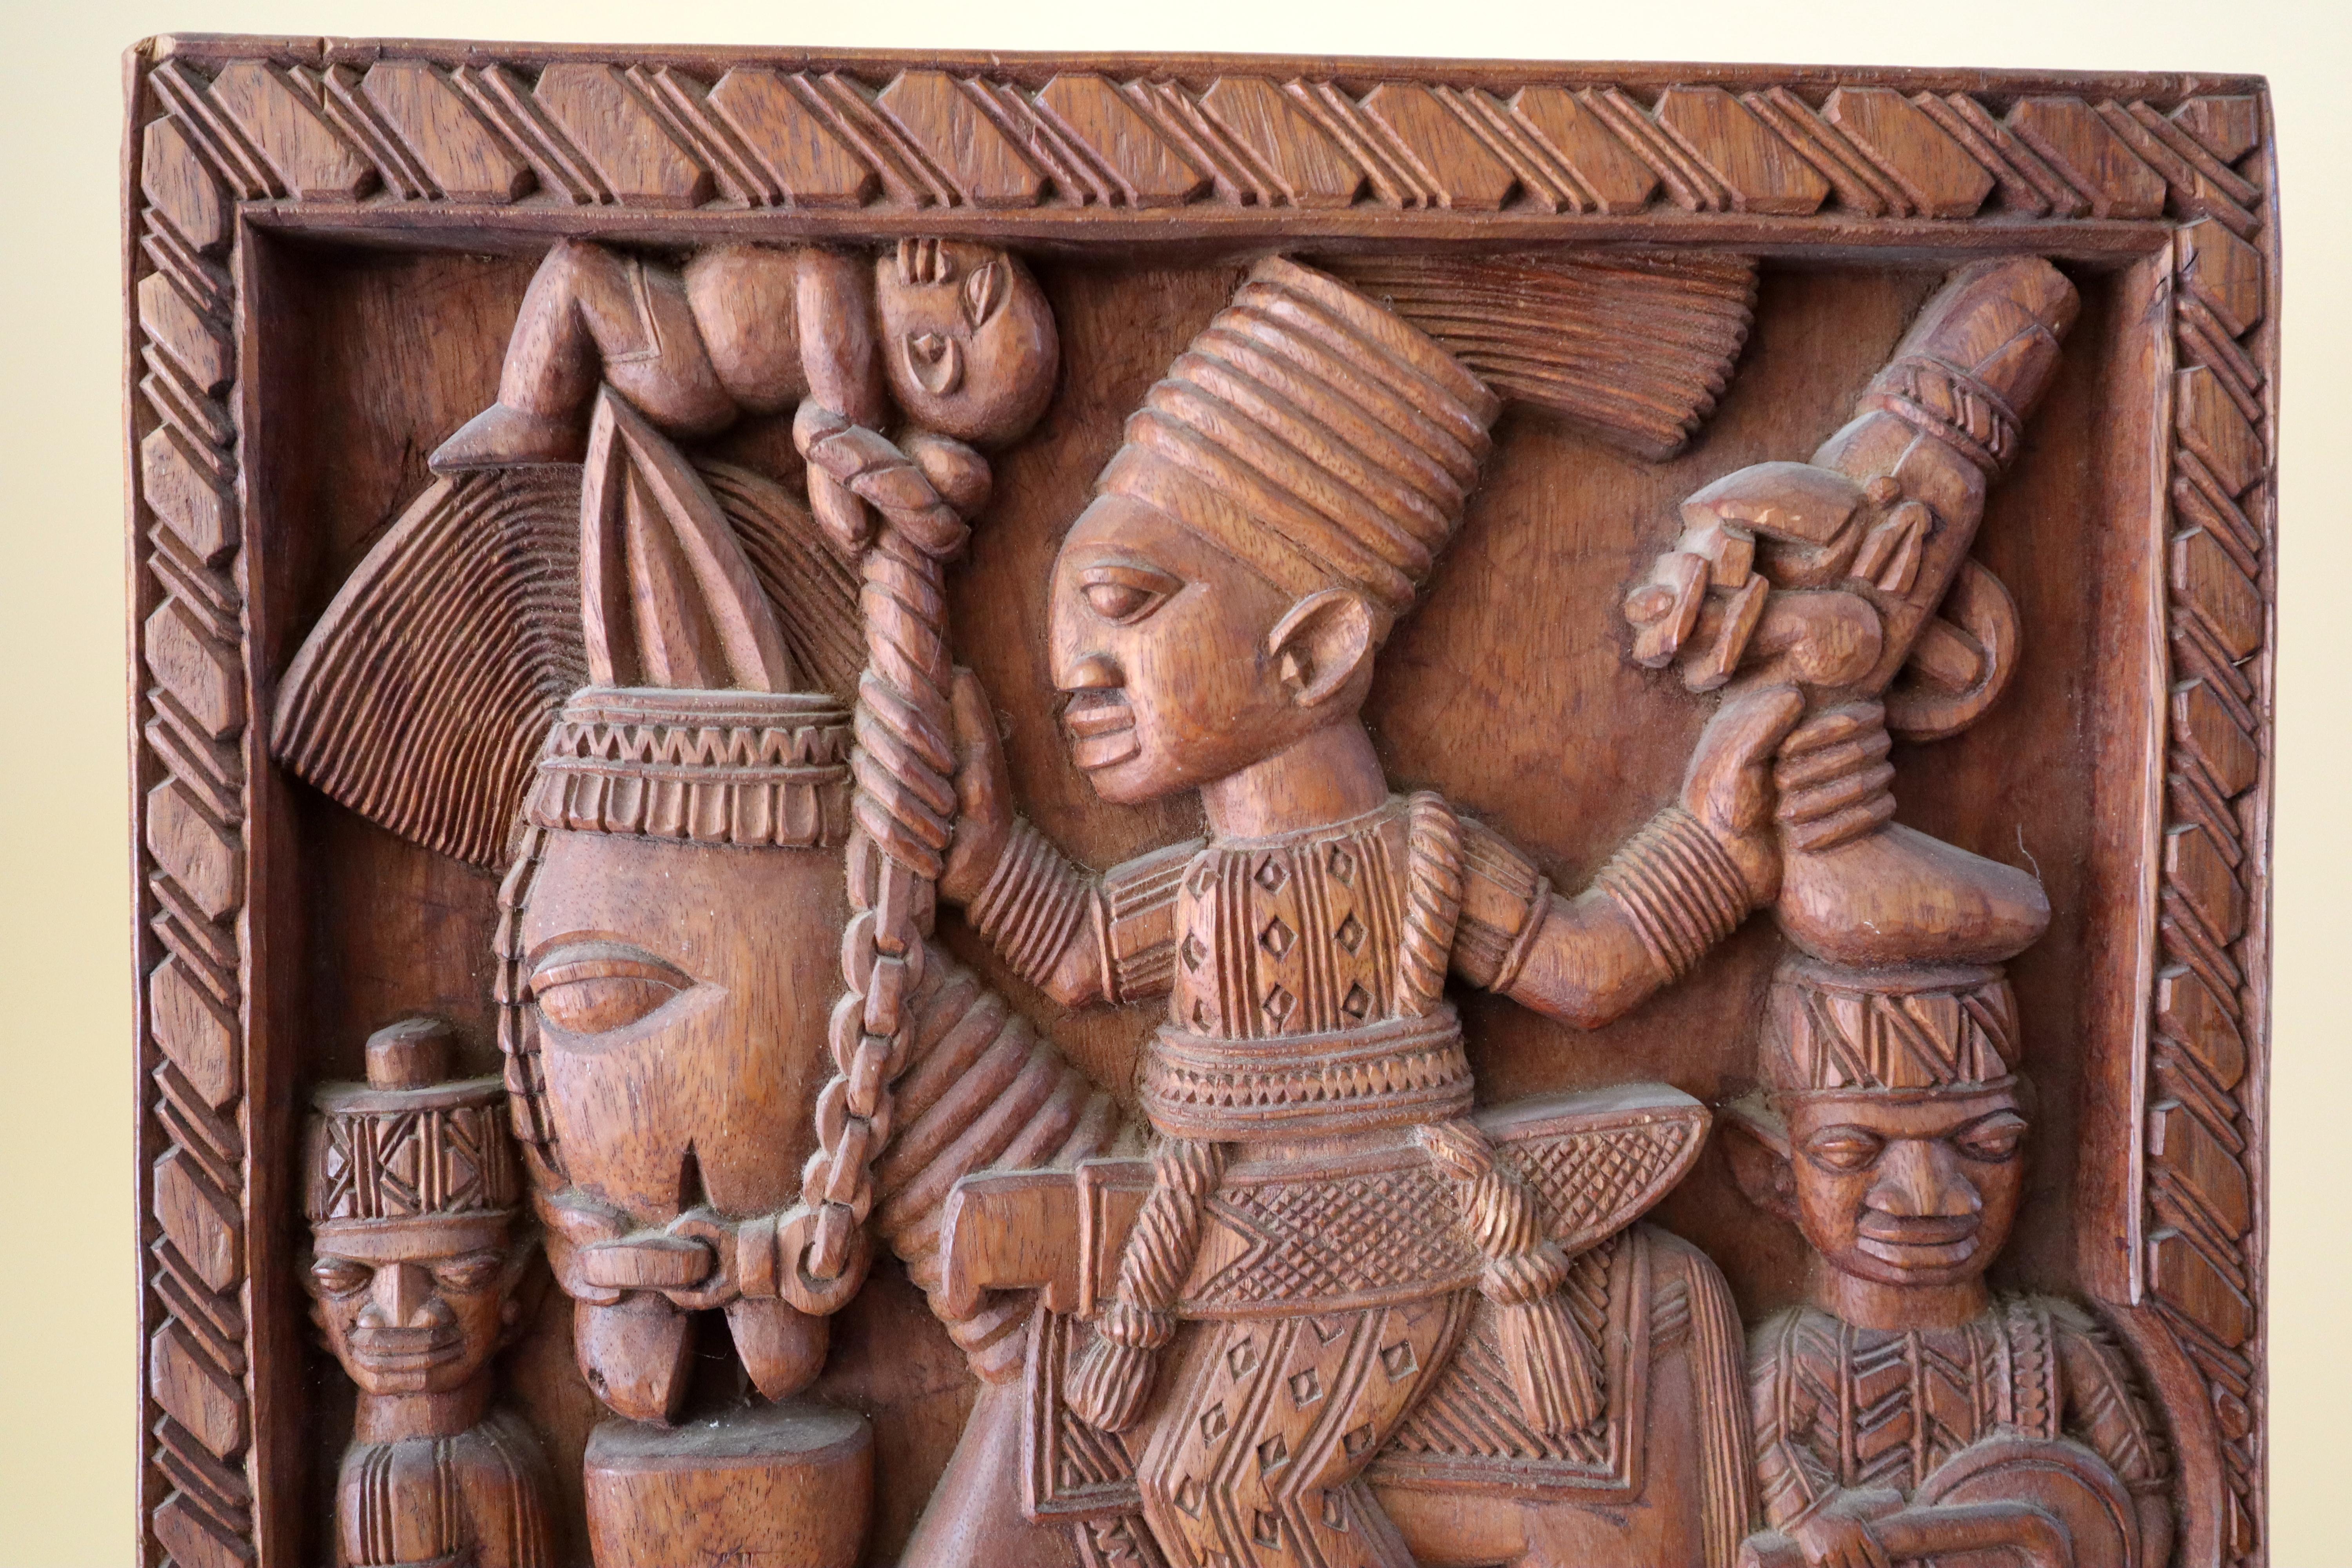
(1678, 890)
(1035, 903)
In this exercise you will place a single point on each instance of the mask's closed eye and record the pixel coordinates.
(470, 1272)
(1844, 1148)
(1124, 594)
(592, 987)
(340, 1276)
(1996, 1137)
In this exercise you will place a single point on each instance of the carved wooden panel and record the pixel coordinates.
(1066, 773)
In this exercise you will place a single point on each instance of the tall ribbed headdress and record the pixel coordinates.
(1318, 434)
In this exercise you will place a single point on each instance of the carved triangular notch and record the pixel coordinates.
(667, 597)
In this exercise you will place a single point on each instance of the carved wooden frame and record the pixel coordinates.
(2169, 177)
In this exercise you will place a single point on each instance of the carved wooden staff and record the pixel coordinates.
(903, 813)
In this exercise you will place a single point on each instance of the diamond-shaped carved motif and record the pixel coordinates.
(1271, 873)
(1398, 1360)
(1273, 1454)
(1188, 1496)
(1350, 934)
(1279, 1005)
(1242, 1358)
(1201, 1022)
(1358, 1440)
(1278, 937)
(1357, 1002)
(1334, 1510)
(1195, 951)
(1306, 1388)
(1213, 1425)
(1341, 865)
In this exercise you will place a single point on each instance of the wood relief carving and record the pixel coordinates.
(417, 1252)
(983, 811)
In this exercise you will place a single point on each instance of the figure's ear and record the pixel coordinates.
(1321, 643)
(1756, 1141)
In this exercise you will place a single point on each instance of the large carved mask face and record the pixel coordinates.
(416, 1307)
(967, 339)
(1165, 646)
(1909, 1187)
(679, 993)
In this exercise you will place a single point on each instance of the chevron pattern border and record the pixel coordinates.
(388, 129)
(221, 123)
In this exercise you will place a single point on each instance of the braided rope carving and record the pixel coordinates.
(902, 814)
(1112, 1380)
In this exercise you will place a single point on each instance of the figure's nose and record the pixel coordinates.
(1920, 1178)
(402, 1298)
(1089, 672)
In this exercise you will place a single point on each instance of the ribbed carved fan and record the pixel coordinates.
(422, 698)
(1635, 348)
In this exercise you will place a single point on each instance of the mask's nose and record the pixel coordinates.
(1089, 672)
(402, 1298)
(1920, 1178)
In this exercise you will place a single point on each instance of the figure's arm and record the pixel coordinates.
(1077, 937)
(1688, 877)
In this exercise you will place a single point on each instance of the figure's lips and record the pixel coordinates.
(1101, 726)
(1924, 1241)
(392, 1353)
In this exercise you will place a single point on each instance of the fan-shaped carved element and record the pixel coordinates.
(422, 696)
(1634, 348)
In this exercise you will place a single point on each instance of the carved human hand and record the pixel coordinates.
(1728, 785)
(983, 794)
(1838, 1533)
(1832, 776)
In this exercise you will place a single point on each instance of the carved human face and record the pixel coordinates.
(1161, 642)
(967, 339)
(679, 993)
(416, 1307)
(1909, 1187)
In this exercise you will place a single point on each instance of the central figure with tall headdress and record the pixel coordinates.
(1328, 1224)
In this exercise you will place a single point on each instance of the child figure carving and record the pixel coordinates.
(1216, 611)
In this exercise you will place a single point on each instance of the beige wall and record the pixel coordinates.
(66, 1356)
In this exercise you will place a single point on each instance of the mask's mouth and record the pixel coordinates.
(1919, 1241)
(394, 1354)
(1101, 726)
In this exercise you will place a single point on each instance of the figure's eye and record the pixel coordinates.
(590, 988)
(341, 1276)
(1844, 1148)
(935, 362)
(465, 1275)
(985, 291)
(1997, 1138)
(1123, 594)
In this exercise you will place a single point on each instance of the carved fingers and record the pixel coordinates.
(1729, 785)
(1829, 1542)
(1833, 777)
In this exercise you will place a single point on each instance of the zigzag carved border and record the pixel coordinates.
(396, 131)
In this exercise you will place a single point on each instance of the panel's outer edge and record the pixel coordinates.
(320, 156)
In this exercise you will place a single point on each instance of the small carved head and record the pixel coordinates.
(414, 1190)
(1281, 497)
(1894, 1131)
(1896, 1186)
(967, 339)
